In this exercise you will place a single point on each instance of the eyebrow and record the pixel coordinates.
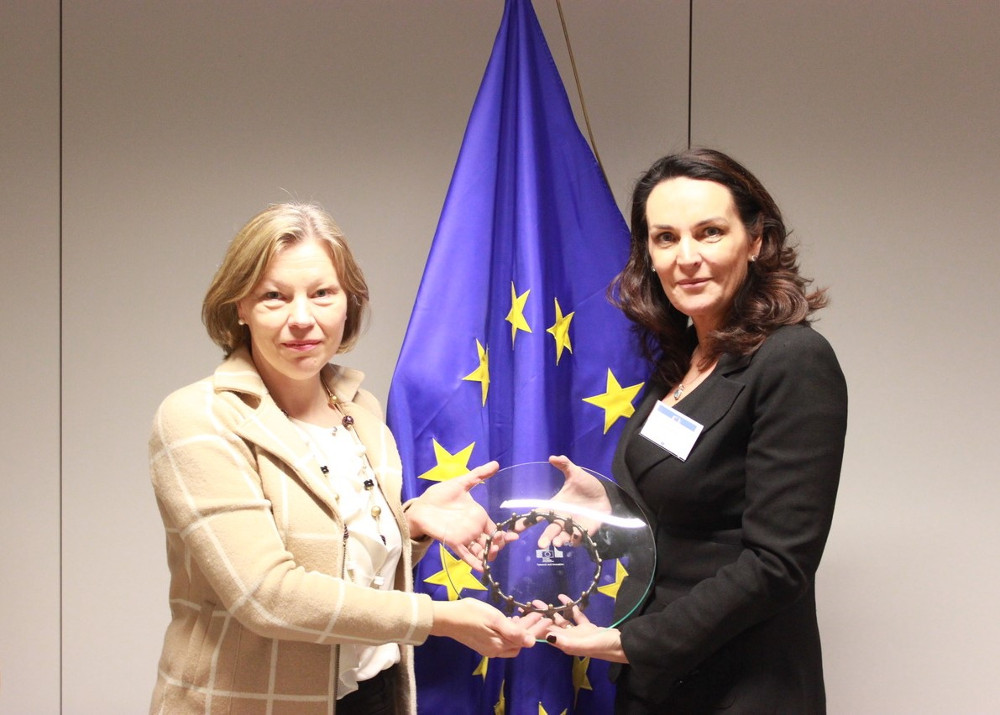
(703, 222)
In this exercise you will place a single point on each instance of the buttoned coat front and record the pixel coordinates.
(255, 549)
(740, 525)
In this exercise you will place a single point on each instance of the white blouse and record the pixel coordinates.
(374, 546)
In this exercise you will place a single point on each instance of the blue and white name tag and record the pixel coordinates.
(672, 430)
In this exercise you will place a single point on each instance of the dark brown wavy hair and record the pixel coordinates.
(773, 294)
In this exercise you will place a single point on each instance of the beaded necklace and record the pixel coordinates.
(366, 476)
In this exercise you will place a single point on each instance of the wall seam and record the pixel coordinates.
(60, 359)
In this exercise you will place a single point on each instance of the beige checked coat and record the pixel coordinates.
(255, 549)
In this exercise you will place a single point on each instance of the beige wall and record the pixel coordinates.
(874, 124)
(29, 357)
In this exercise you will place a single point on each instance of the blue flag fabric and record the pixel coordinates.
(513, 351)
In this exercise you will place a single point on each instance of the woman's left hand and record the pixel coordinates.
(447, 512)
(577, 636)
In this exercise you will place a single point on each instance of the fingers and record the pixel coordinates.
(562, 463)
(533, 622)
(472, 557)
(500, 540)
(545, 539)
(537, 625)
(481, 627)
(555, 534)
(474, 477)
(551, 533)
(475, 553)
(509, 635)
(483, 472)
(575, 612)
(515, 633)
(477, 549)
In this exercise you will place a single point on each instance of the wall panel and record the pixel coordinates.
(876, 126)
(29, 336)
(182, 120)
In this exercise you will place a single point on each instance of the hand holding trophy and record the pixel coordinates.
(570, 538)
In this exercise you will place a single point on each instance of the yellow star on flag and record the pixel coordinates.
(516, 315)
(580, 679)
(560, 331)
(448, 465)
(616, 401)
(611, 589)
(543, 711)
(455, 575)
(481, 373)
(501, 707)
(483, 666)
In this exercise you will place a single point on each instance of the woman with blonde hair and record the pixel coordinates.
(279, 484)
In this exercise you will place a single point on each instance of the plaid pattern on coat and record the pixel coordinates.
(255, 548)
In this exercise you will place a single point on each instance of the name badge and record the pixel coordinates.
(672, 430)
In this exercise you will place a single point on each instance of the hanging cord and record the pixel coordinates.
(690, 64)
(579, 91)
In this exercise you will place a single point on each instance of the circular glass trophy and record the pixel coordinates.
(580, 541)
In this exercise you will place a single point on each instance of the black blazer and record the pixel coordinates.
(740, 526)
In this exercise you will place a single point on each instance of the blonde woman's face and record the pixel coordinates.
(296, 314)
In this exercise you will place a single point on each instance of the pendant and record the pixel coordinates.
(678, 392)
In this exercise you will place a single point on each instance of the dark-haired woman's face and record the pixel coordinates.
(699, 248)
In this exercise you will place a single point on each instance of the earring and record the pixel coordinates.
(240, 321)
(753, 259)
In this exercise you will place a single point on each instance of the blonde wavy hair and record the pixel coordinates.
(247, 258)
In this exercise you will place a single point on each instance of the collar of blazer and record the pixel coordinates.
(265, 425)
(710, 405)
(707, 407)
(238, 373)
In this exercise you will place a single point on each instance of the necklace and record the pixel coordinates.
(365, 476)
(693, 378)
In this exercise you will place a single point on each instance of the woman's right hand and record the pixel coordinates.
(580, 489)
(481, 627)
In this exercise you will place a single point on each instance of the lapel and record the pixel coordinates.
(267, 427)
(706, 407)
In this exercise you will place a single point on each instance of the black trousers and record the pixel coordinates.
(376, 696)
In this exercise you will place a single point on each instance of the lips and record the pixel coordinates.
(692, 282)
(301, 344)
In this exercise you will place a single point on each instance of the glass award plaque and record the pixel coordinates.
(580, 542)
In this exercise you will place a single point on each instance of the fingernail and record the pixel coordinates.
(550, 638)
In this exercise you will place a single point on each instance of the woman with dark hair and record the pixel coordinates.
(734, 452)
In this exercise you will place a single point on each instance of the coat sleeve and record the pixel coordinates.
(224, 543)
(798, 414)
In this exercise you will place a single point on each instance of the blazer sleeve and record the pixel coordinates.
(798, 414)
(228, 546)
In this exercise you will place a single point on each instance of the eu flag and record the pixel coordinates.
(513, 351)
